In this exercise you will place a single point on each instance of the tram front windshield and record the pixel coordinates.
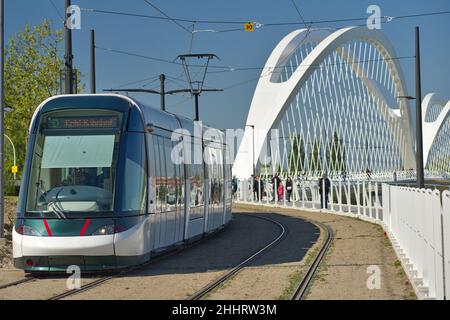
(74, 163)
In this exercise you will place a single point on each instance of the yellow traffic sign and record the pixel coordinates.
(249, 27)
(14, 169)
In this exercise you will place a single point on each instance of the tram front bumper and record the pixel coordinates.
(89, 253)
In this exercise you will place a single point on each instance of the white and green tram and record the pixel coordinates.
(109, 182)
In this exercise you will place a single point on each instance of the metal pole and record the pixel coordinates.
(197, 118)
(14, 152)
(419, 141)
(2, 99)
(93, 87)
(68, 56)
(253, 149)
(162, 92)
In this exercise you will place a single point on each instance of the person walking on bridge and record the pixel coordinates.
(288, 189)
(257, 188)
(276, 181)
(324, 190)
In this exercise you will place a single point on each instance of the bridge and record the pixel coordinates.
(334, 101)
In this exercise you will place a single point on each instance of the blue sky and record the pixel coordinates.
(166, 40)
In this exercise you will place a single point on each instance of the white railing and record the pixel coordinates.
(416, 220)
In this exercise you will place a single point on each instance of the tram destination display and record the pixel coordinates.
(83, 122)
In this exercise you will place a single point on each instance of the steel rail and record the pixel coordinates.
(15, 283)
(227, 275)
(129, 270)
(304, 285)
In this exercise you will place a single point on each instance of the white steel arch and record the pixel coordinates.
(306, 62)
(436, 133)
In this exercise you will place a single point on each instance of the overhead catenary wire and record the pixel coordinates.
(233, 69)
(169, 18)
(318, 65)
(57, 10)
(137, 81)
(271, 69)
(386, 18)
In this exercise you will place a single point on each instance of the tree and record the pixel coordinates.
(297, 155)
(336, 154)
(315, 161)
(33, 62)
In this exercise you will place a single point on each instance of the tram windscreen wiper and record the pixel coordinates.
(58, 212)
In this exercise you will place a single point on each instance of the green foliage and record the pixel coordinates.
(278, 169)
(33, 62)
(336, 154)
(297, 156)
(315, 160)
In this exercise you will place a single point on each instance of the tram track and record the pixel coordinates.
(202, 292)
(299, 293)
(301, 290)
(15, 283)
(128, 271)
(236, 269)
(97, 282)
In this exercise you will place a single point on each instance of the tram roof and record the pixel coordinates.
(150, 115)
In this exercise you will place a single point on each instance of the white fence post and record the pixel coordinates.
(349, 197)
(445, 232)
(358, 197)
(417, 219)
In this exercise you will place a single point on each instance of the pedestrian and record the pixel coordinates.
(288, 189)
(280, 191)
(276, 181)
(261, 188)
(234, 186)
(343, 175)
(256, 188)
(368, 173)
(324, 190)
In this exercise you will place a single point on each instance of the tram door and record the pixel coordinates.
(214, 169)
(227, 196)
(169, 207)
(196, 179)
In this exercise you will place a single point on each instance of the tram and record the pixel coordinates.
(109, 183)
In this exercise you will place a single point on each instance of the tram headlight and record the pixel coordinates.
(109, 229)
(27, 231)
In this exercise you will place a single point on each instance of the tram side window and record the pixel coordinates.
(180, 185)
(171, 197)
(197, 181)
(227, 175)
(157, 173)
(197, 177)
(221, 174)
(151, 174)
(165, 175)
(211, 175)
(161, 178)
(216, 175)
(135, 174)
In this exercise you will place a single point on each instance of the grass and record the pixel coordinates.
(222, 286)
(323, 268)
(387, 242)
(294, 278)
